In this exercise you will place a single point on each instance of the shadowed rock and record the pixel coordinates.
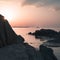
(44, 32)
(32, 53)
(20, 39)
(50, 35)
(15, 48)
(47, 53)
(7, 35)
(2, 32)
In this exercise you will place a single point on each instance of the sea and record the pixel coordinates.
(31, 40)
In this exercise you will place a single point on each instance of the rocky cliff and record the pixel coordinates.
(12, 46)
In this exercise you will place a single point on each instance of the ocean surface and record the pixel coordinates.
(33, 41)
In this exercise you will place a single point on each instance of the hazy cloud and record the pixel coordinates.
(8, 0)
(39, 3)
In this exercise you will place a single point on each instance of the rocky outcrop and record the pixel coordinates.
(14, 48)
(32, 53)
(7, 35)
(53, 43)
(52, 37)
(47, 53)
(45, 32)
(13, 52)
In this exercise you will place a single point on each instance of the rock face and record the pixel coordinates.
(47, 53)
(7, 35)
(13, 52)
(12, 46)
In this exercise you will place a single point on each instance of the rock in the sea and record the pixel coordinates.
(45, 32)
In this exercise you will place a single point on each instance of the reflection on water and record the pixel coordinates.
(28, 38)
(35, 42)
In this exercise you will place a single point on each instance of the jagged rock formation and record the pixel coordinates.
(13, 46)
(45, 32)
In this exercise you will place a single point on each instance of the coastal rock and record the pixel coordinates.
(53, 43)
(13, 52)
(50, 35)
(44, 32)
(14, 48)
(2, 32)
(7, 35)
(47, 53)
(20, 39)
(11, 36)
(30, 33)
(31, 52)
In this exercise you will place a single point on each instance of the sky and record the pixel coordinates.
(43, 13)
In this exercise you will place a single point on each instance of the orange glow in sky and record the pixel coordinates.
(10, 10)
(8, 14)
(28, 15)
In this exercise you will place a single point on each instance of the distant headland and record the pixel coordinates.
(54, 36)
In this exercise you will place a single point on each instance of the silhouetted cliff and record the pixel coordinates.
(47, 53)
(14, 48)
(7, 35)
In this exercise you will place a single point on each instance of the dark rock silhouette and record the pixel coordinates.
(2, 32)
(47, 53)
(50, 35)
(44, 32)
(30, 33)
(32, 53)
(14, 48)
(20, 39)
(7, 35)
(53, 43)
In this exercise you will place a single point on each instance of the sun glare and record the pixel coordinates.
(8, 14)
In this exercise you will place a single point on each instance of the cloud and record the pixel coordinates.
(43, 3)
(57, 8)
(9, 0)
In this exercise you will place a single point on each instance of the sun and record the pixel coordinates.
(8, 14)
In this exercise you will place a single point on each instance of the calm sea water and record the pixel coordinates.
(35, 42)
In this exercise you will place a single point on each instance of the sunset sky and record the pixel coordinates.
(43, 13)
